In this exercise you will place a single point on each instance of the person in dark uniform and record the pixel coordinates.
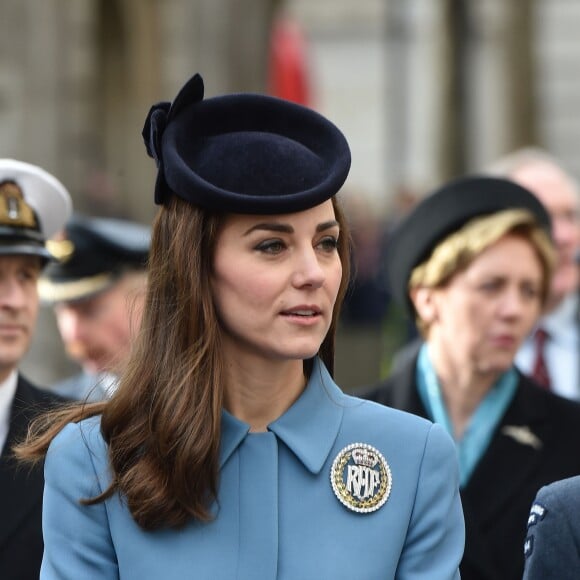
(33, 206)
(552, 546)
(97, 287)
(227, 450)
(473, 264)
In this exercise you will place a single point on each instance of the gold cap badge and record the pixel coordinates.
(14, 211)
(361, 478)
(62, 250)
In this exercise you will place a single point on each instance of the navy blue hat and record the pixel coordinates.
(34, 205)
(445, 211)
(92, 254)
(244, 153)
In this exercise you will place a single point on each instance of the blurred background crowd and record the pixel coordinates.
(424, 90)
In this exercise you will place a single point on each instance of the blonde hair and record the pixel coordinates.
(458, 250)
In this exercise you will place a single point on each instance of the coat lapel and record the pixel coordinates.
(400, 392)
(519, 440)
(21, 487)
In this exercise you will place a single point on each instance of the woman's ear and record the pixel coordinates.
(424, 303)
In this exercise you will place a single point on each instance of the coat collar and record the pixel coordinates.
(402, 389)
(308, 428)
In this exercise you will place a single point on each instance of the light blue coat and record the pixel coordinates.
(278, 517)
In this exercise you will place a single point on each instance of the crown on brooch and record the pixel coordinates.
(365, 457)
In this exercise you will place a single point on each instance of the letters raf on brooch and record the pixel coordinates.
(361, 478)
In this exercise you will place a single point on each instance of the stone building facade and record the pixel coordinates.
(423, 89)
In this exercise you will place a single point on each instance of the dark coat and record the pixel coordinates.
(497, 499)
(553, 543)
(21, 491)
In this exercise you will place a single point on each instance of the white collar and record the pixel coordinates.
(7, 392)
(562, 320)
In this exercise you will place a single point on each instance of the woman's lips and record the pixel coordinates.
(505, 340)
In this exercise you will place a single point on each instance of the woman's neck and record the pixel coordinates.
(258, 393)
(462, 389)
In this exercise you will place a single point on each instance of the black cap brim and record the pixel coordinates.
(25, 249)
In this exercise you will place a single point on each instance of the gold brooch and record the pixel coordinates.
(361, 478)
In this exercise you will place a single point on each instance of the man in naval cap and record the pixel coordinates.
(34, 205)
(97, 287)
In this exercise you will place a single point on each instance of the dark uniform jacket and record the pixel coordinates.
(21, 491)
(537, 441)
(552, 546)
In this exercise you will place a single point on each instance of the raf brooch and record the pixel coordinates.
(361, 478)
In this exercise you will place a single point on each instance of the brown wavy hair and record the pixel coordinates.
(162, 425)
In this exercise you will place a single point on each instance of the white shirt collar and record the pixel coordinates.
(561, 322)
(7, 392)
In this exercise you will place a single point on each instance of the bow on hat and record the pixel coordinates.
(157, 119)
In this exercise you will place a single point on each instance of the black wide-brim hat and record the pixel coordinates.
(244, 153)
(445, 211)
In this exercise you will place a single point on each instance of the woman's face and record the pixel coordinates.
(480, 318)
(275, 282)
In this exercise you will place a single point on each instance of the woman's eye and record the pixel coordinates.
(329, 244)
(530, 292)
(271, 246)
(490, 286)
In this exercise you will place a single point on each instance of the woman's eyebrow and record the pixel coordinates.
(287, 228)
(326, 225)
(271, 227)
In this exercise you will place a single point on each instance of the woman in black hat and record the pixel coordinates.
(227, 450)
(472, 263)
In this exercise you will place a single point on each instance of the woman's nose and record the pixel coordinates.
(514, 302)
(308, 271)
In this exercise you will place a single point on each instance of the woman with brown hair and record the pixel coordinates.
(228, 451)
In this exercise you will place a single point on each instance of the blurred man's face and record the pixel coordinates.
(558, 194)
(97, 331)
(18, 308)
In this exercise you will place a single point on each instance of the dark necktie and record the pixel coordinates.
(540, 371)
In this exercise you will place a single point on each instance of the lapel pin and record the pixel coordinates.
(361, 478)
(522, 434)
